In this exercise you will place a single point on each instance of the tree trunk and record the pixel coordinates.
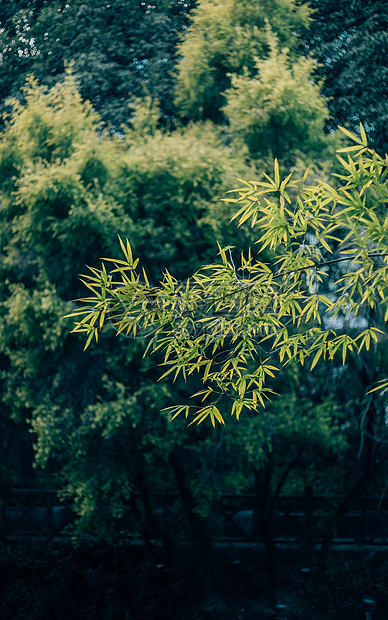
(267, 504)
(200, 529)
(368, 470)
(263, 480)
(152, 526)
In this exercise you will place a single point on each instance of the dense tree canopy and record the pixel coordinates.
(65, 196)
(350, 42)
(136, 122)
(68, 189)
(119, 48)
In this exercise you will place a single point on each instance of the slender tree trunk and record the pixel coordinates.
(267, 504)
(263, 479)
(369, 467)
(282, 480)
(200, 529)
(152, 527)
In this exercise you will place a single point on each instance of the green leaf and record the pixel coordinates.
(350, 135)
(276, 172)
(363, 135)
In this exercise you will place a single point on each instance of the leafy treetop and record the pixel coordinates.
(227, 37)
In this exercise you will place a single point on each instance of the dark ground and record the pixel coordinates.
(53, 581)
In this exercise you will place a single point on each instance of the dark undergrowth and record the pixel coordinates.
(53, 581)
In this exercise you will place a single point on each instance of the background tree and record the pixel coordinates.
(119, 49)
(65, 195)
(279, 110)
(227, 37)
(100, 433)
(350, 43)
(236, 326)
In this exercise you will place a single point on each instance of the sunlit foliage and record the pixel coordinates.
(236, 325)
(227, 36)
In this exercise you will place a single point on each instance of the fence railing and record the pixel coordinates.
(234, 517)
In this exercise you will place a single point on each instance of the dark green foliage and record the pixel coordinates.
(120, 48)
(350, 41)
(65, 196)
(68, 188)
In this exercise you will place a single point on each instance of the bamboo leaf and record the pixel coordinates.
(276, 173)
(350, 135)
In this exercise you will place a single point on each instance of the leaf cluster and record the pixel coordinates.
(236, 326)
